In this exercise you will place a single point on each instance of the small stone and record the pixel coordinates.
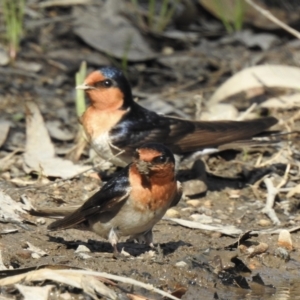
(187, 209)
(234, 194)
(264, 223)
(285, 240)
(193, 187)
(82, 248)
(216, 235)
(207, 203)
(35, 255)
(167, 50)
(181, 264)
(282, 253)
(193, 203)
(41, 221)
(172, 213)
(259, 249)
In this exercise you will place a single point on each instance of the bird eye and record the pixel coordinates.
(160, 159)
(107, 83)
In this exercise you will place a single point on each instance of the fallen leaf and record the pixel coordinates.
(224, 229)
(39, 151)
(269, 76)
(10, 210)
(35, 292)
(57, 131)
(75, 278)
(95, 25)
(284, 102)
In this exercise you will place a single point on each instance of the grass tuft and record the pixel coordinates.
(159, 19)
(13, 11)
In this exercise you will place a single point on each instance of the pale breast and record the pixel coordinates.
(104, 148)
(97, 125)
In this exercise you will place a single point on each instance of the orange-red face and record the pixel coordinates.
(152, 162)
(103, 92)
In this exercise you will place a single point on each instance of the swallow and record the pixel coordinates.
(116, 125)
(133, 201)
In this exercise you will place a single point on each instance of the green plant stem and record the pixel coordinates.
(80, 100)
(239, 14)
(13, 11)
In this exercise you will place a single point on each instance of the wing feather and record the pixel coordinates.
(111, 194)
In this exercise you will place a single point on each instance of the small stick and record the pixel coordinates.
(272, 18)
(268, 209)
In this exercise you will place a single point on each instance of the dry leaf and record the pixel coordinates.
(35, 292)
(278, 76)
(77, 278)
(57, 131)
(284, 102)
(224, 229)
(40, 153)
(10, 210)
(95, 24)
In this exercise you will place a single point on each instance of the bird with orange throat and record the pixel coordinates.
(132, 202)
(116, 125)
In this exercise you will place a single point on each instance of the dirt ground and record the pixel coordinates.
(242, 256)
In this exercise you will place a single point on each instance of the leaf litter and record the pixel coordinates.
(39, 153)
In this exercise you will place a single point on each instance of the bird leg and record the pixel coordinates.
(113, 239)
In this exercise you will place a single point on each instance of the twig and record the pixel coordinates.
(272, 18)
(127, 280)
(247, 112)
(285, 177)
(268, 209)
(51, 3)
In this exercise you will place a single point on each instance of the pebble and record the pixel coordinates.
(282, 253)
(172, 213)
(285, 240)
(41, 221)
(193, 187)
(187, 209)
(194, 203)
(35, 255)
(207, 203)
(82, 248)
(259, 249)
(264, 222)
(181, 264)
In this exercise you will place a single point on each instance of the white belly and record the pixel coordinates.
(126, 222)
(107, 151)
